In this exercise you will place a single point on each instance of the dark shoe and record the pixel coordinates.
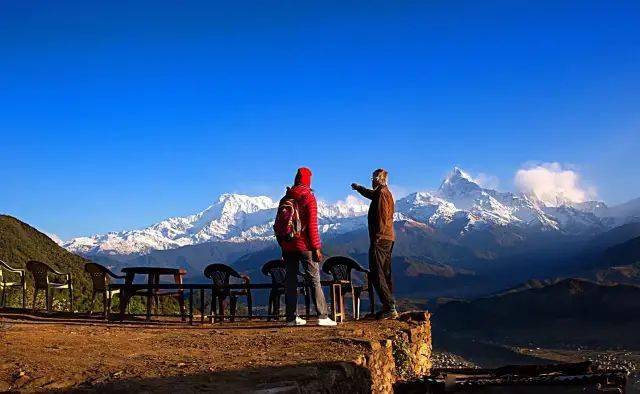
(390, 314)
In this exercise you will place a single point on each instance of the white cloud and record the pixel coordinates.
(351, 201)
(487, 181)
(398, 191)
(553, 184)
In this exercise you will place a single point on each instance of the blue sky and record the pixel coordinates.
(114, 115)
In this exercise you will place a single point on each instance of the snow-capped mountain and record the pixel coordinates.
(460, 204)
(234, 217)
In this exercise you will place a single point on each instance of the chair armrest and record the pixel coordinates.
(360, 268)
(57, 272)
(115, 276)
(9, 268)
(65, 274)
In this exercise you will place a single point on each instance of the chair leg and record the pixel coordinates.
(202, 306)
(93, 299)
(4, 296)
(250, 304)
(356, 300)
(276, 304)
(24, 296)
(108, 308)
(47, 299)
(212, 307)
(221, 300)
(105, 305)
(70, 298)
(232, 307)
(353, 304)
(35, 298)
(270, 306)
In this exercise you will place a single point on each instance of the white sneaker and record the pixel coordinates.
(327, 322)
(298, 322)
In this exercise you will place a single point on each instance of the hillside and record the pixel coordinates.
(565, 312)
(20, 243)
(623, 254)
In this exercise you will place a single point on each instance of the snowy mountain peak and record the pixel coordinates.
(352, 206)
(458, 183)
(242, 201)
(457, 174)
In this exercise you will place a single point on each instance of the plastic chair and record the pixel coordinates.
(101, 278)
(5, 284)
(40, 272)
(340, 268)
(220, 275)
(276, 270)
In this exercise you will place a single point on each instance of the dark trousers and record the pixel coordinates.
(311, 273)
(380, 271)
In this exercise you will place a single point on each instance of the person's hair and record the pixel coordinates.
(381, 175)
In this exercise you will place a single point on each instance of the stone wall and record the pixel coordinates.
(405, 355)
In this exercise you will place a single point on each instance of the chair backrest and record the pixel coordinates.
(276, 270)
(220, 274)
(99, 276)
(40, 272)
(340, 267)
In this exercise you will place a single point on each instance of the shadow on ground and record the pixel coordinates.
(335, 377)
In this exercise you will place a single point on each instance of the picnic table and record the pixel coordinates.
(152, 291)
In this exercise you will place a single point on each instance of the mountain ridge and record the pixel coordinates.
(460, 206)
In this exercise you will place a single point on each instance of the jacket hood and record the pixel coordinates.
(298, 191)
(303, 177)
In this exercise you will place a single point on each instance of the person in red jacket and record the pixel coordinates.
(304, 249)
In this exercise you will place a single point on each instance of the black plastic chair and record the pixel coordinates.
(340, 268)
(101, 278)
(220, 275)
(276, 270)
(5, 284)
(40, 272)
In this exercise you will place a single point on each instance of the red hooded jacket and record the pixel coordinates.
(308, 209)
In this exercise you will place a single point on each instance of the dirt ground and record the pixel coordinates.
(43, 353)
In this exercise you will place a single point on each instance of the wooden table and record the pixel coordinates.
(153, 279)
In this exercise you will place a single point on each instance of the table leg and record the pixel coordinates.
(151, 280)
(125, 295)
(149, 298)
(178, 279)
(190, 306)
